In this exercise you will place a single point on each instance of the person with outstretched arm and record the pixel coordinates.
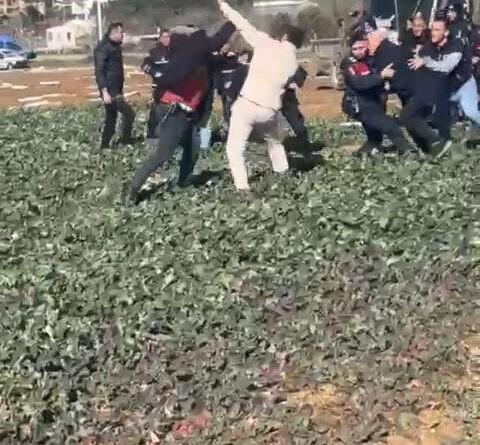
(109, 74)
(273, 63)
(180, 105)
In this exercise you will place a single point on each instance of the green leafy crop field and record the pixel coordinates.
(328, 307)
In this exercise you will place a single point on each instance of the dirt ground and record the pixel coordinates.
(76, 86)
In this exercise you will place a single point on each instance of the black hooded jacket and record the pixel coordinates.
(109, 72)
(459, 30)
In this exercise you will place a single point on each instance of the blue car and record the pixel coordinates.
(9, 43)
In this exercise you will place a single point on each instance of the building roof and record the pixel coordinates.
(77, 23)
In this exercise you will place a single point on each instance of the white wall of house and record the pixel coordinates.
(67, 36)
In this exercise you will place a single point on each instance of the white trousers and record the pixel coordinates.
(266, 123)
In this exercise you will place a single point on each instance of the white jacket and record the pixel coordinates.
(273, 62)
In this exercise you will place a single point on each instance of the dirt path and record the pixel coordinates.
(63, 87)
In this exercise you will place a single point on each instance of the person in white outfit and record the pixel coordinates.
(258, 106)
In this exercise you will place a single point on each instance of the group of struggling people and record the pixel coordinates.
(257, 93)
(429, 71)
(258, 90)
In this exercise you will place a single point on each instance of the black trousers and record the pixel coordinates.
(442, 118)
(415, 117)
(118, 105)
(377, 123)
(152, 122)
(174, 128)
(295, 118)
(227, 103)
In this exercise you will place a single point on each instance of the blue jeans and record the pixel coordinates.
(467, 97)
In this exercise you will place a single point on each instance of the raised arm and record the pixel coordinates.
(251, 34)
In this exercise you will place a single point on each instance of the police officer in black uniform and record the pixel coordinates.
(364, 99)
(154, 64)
(290, 106)
(110, 79)
(225, 64)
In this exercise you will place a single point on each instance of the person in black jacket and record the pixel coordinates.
(183, 93)
(155, 63)
(464, 87)
(414, 38)
(225, 64)
(432, 88)
(364, 98)
(475, 45)
(290, 105)
(456, 23)
(386, 53)
(110, 79)
(197, 49)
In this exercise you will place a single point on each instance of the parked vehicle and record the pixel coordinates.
(11, 59)
(9, 43)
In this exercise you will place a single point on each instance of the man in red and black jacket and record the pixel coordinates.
(181, 95)
(364, 98)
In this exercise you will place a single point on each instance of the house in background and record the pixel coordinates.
(273, 7)
(9, 8)
(72, 35)
(77, 8)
